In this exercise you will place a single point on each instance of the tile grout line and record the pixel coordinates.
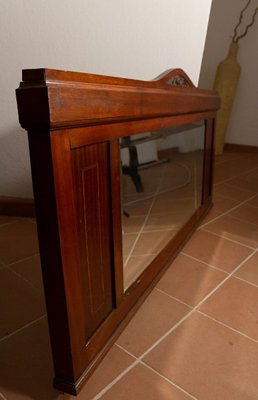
(231, 240)
(169, 381)
(246, 281)
(8, 223)
(210, 317)
(153, 230)
(205, 263)
(252, 206)
(227, 212)
(35, 289)
(165, 335)
(145, 219)
(20, 260)
(235, 158)
(126, 351)
(114, 381)
(244, 220)
(227, 326)
(236, 176)
(173, 298)
(22, 328)
(227, 238)
(196, 307)
(136, 362)
(231, 156)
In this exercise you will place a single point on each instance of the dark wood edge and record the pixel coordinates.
(17, 207)
(240, 148)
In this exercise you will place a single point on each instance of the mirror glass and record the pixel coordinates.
(161, 188)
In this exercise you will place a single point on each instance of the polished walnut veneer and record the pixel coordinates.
(75, 123)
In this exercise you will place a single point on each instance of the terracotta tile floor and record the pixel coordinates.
(196, 335)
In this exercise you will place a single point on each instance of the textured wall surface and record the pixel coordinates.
(137, 39)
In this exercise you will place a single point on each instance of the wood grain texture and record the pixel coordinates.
(74, 123)
(92, 199)
(58, 98)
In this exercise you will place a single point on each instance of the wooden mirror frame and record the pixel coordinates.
(74, 122)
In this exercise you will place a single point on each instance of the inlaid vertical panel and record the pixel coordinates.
(92, 197)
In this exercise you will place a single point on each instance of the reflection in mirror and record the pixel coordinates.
(161, 187)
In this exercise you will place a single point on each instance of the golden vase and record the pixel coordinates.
(225, 83)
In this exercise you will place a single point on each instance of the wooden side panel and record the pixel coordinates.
(92, 199)
(46, 199)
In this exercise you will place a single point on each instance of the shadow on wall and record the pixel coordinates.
(15, 174)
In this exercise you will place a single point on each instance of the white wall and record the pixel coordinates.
(136, 38)
(244, 118)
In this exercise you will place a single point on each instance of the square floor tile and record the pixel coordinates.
(233, 192)
(227, 156)
(114, 363)
(225, 171)
(189, 280)
(152, 242)
(240, 231)
(253, 202)
(18, 240)
(249, 270)
(247, 181)
(155, 317)
(133, 268)
(133, 224)
(128, 243)
(30, 270)
(246, 213)
(142, 383)
(20, 303)
(248, 163)
(216, 250)
(6, 220)
(223, 204)
(138, 208)
(167, 202)
(172, 220)
(212, 214)
(208, 360)
(235, 304)
(26, 365)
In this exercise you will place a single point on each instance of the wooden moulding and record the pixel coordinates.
(74, 122)
(17, 206)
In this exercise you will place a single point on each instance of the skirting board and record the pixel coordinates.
(18, 207)
(240, 147)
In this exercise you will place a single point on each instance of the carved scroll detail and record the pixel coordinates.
(178, 80)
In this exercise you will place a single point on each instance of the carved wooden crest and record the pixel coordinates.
(178, 80)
